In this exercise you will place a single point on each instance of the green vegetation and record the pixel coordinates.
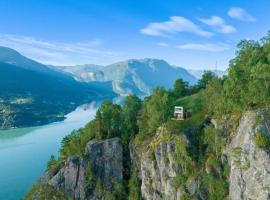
(262, 140)
(44, 192)
(36, 94)
(217, 188)
(248, 82)
(134, 186)
(54, 165)
(90, 176)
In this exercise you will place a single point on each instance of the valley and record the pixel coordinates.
(24, 152)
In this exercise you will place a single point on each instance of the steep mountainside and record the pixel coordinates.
(132, 76)
(82, 178)
(250, 163)
(33, 94)
(162, 163)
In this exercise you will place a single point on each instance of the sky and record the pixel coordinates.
(188, 33)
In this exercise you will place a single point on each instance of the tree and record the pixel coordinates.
(157, 108)
(180, 88)
(100, 133)
(131, 108)
(111, 121)
(212, 97)
(206, 77)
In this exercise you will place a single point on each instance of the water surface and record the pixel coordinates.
(24, 152)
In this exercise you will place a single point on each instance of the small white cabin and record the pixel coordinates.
(179, 113)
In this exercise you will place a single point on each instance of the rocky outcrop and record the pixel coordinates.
(159, 169)
(89, 177)
(158, 174)
(250, 165)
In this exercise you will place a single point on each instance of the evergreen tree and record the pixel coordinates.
(180, 88)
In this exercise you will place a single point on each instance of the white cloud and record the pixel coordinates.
(219, 24)
(176, 24)
(240, 14)
(60, 53)
(204, 47)
(163, 44)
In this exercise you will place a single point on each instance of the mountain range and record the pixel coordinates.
(137, 76)
(33, 94)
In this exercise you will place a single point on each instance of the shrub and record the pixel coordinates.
(134, 186)
(262, 140)
(53, 165)
(90, 177)
(44, 191)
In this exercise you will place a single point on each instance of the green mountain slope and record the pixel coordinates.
(33, 94)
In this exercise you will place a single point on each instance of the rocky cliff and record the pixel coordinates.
(159, 168)
(92, 176)
(168, 168)
(250, 164)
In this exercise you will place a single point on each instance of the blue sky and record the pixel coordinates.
(188, 33)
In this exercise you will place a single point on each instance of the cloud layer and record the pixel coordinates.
(219, 24)
(59, 53)
(240, 14)
(204, 47)
(176, 24)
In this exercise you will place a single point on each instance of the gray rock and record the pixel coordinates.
(106, 159)
(158, 174)
(250, 165)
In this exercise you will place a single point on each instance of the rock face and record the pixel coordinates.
(158, 170)
(100, 167)
(158, 174)
(250, 165)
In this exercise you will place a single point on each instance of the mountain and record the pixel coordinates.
(198, 73)
(138, 76)
(33, 94)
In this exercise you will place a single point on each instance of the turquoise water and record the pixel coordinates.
(24, 152)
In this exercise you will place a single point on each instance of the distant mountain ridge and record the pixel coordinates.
(33, 94)
(137, 76)
(198, 73)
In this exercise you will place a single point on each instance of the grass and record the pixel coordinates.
(192, 104)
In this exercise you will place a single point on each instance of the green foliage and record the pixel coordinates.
(110, 119)
(213, 101)
(216, 187)
(44, 192)
(214, 140)
(90, 176)
(186, 197)
(183, 159)
(134, 186)
(71, 145)
(180, 88)
(262, 140)
(156, 111)
(193, 104)
(131, 108)
(117, 193)
(53, 165)
(206, 77)
(247, 85)
(179, 181)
